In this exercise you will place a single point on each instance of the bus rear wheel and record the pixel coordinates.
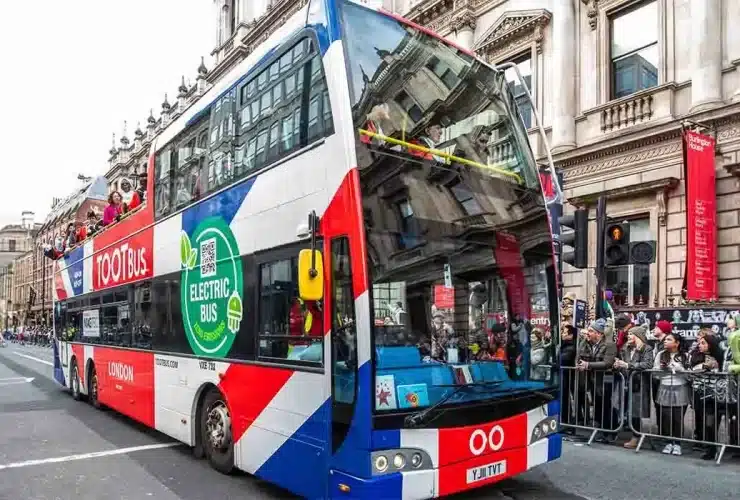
(216, 433)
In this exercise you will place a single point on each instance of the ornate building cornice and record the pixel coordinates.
(512, 31)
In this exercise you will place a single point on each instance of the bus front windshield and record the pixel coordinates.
(458, 238)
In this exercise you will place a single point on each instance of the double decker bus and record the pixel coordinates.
(331, 283)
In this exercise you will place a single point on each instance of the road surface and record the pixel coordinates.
(53, 448)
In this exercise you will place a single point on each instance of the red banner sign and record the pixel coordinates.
(701, 217)
(444, 297)
(509, 261)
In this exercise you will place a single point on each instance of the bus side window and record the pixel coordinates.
(142, 332)
(344, 335)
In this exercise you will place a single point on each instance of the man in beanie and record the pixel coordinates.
(623, 323)
(596, 356)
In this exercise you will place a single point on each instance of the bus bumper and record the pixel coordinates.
(449, 479)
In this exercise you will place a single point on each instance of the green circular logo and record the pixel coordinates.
(211, 287)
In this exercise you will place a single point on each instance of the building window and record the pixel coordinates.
(466, 198)
(634, 49)
(11, 245)
(524, 64)
(631, 284)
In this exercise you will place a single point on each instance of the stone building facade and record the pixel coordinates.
(614, 82)
(16, 240)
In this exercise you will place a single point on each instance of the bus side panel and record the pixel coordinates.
(178, 382)
(280, 425)
(126, 382)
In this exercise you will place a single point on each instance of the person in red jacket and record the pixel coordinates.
(139, 196)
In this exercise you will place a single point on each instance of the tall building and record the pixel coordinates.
(16, 241)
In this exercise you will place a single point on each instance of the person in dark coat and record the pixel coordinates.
(636, 357)
(595, 357)
(567, 363)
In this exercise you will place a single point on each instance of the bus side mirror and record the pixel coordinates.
(310, 275)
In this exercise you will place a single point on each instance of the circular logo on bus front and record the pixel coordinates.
(211, 287)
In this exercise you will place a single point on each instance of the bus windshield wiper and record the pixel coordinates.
(420, 417)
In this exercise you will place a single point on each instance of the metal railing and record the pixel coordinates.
(668, 407)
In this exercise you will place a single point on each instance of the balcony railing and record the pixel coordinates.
(625, 113)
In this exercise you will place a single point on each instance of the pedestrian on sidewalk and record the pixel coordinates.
(673, 392)
(635, 363)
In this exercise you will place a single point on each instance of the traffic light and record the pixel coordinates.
(577, 239)
(617, 244)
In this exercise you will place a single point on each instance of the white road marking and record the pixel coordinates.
(15, 380)
(86, 456)
(33, 358)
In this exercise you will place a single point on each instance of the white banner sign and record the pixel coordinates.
(91, 323)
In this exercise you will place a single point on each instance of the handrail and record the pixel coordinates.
(103, 230)
(442, 154)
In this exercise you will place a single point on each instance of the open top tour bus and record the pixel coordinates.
(342, 280)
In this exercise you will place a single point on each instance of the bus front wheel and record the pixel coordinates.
(215, 426)
(74, 382)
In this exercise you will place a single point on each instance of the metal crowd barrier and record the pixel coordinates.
(663, 406)
(701, 408)
(587, 401)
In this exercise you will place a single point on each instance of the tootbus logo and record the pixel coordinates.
(479, 440)
(121, 265)
(121, 371)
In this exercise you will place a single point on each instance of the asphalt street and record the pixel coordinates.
(53, 448)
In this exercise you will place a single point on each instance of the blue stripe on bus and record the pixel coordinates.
(299, 465)
(387, 439)
(553, 408)
(75, 262)
(353, 456)
(554, 447)
(225, 204)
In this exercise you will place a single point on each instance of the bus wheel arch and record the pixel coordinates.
(195, 417)
(214, 420)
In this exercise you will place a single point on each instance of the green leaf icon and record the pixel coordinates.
(192, 259)
(185, 250)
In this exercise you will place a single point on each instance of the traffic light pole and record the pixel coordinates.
(599, 271)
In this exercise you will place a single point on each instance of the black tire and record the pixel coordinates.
(74, 381)
(92, 388)
(221, 457)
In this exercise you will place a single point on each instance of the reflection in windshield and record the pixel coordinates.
(457, 233)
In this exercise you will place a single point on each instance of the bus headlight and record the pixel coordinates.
(544, 428)
(381, 463)
(403, 459)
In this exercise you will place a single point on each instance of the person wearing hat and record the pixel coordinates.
(139, 196)
(597, 355)
(623, 323)
(636, 355)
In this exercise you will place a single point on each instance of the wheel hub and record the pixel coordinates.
(218, 426)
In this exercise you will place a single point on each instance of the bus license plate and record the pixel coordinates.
(486, 471)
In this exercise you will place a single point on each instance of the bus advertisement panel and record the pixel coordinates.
(339, 277)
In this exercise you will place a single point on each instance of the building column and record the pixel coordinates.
(464, 27)
(706, 53)
(564, 76)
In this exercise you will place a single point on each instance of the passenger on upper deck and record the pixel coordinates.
(114, 210)
(127, 194)
(70, 236)
(139, 197)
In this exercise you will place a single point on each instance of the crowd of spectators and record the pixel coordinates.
(118, 208)
(615, 367)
